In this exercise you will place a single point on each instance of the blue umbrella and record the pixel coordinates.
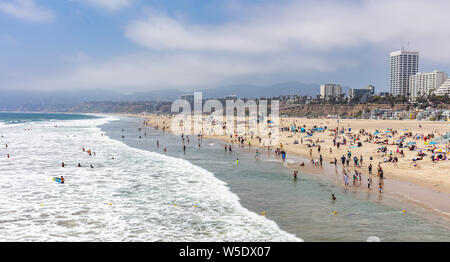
(376, 133)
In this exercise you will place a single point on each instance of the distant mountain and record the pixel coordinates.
(159, 95)
(256, 91)
(60, 100)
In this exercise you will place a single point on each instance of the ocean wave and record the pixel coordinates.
(129, 195)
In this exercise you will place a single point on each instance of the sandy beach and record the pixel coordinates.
(373, 136)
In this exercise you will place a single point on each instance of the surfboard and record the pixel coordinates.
(57, 180)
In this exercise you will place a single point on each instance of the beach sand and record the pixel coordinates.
(424, 182)
(433, 175)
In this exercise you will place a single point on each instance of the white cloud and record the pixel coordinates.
(26, 10)
(145, 71)
(112, 5)
(314, 26)
(264, 42)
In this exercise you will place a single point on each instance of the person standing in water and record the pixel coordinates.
(237, 162)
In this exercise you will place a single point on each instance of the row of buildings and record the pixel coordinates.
(328, 91)
(405, 80)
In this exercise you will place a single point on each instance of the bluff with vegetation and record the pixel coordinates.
(339, 110)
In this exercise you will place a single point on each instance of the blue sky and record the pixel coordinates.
(138, 45)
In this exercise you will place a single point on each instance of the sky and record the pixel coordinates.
(141, 45)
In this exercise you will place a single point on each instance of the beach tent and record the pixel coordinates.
(400, 140)
(387, 131)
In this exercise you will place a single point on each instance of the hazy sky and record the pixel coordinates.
(136, 45)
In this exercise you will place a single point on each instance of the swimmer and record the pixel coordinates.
(92, 166)
(62, 164)
(79, 165)
(333, 197)
(295, 174)
(62, 180)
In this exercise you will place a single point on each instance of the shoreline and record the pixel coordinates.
(421, 194)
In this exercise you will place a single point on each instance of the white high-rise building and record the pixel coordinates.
(328, 91)
(423, 84)
(403, 65)
(444, 89)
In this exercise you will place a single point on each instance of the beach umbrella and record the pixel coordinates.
(376, 133)
(400, 140)
(411, 143)
(432, 143)
(387, 131)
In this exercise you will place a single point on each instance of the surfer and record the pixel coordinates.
(62, 180)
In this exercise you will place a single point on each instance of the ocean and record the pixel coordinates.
(136, 192)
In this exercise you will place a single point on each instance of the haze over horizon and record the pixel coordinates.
(132, 46)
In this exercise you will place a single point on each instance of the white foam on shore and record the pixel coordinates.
(153, 197)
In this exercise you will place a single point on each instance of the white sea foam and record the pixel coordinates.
(153, 197)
